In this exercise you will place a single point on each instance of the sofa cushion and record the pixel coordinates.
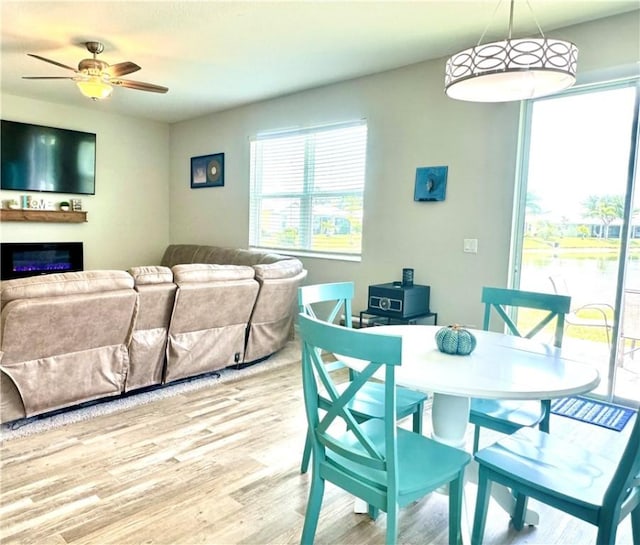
(152, 274)
(51, 285)
(204, 272)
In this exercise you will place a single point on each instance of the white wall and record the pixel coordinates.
(411, 124)
(128, 217)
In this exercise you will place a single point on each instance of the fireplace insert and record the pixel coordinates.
(21, 259)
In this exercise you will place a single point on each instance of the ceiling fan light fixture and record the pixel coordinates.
(96, 78)
(511, 69)
(94, 87)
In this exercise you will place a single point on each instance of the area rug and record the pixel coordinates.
(600, 413)
(286, 356)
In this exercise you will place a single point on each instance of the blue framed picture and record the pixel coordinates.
(431, 184)
(207, 171)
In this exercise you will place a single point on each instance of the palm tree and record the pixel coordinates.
(606, 208)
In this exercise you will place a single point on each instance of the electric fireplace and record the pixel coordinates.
(21, 259)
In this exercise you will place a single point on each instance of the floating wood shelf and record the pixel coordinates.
(58, 216)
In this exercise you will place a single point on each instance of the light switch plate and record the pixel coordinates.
(471, 245)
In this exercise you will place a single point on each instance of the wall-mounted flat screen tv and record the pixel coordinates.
(37, 158)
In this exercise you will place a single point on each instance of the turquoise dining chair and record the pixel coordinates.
(565, 476)
(334, 300)
(506, 416)
(385, 465)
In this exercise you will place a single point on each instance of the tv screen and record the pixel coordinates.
(37, 158)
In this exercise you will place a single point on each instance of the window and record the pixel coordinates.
(307, 190)
(576, 220)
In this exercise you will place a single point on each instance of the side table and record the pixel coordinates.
(381, 318)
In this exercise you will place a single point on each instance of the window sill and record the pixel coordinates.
(313, 255)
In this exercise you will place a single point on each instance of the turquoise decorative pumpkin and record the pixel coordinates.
(454, 339)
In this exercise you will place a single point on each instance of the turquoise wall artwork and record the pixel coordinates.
(431, 184)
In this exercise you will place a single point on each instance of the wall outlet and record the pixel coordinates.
(470, 245)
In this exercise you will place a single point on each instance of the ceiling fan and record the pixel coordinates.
(96, 78)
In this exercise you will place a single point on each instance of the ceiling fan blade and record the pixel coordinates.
(139, 85)
(122, 69)
(52, 62)
(47, 77)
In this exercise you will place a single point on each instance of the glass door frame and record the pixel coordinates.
(519, 208)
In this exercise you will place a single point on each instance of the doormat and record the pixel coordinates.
(607, 415)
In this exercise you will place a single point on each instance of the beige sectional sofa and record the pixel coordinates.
(74, 337)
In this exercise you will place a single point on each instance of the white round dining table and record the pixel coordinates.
(501, 367)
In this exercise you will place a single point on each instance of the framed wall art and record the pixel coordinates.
(431, 184)
(207, 171)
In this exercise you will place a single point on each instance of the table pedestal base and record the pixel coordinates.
(449, 417)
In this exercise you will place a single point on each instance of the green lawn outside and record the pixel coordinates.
(527, 319)
(320, 243)
(574, 247)
(578, 243)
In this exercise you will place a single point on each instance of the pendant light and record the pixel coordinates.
(511, 69)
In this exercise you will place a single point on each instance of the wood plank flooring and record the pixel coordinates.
(219, 466)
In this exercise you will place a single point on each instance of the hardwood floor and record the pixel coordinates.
(219, 466)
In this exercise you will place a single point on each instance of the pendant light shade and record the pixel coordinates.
(511, 69)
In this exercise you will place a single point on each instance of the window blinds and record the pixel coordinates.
(307, 189)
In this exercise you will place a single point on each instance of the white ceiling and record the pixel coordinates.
(215, 55)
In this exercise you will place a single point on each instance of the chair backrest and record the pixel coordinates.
(340, 294)
(630, 325)
(624, 491)
(502, 299)
(559, 284)
(329, 301)
(356, 449)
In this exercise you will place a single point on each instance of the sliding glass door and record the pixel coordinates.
(627, 359)
(577, 226)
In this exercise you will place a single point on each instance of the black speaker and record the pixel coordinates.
(397, 301)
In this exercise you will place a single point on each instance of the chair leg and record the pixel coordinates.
(476, 438)
(455, 509)
(392, 524)
(607, 530)
(313, 511)
(482, 505)
(373, 512)
(635, 524)
(417, 419)
(306, 455)
(519, 511)
(546, 408)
